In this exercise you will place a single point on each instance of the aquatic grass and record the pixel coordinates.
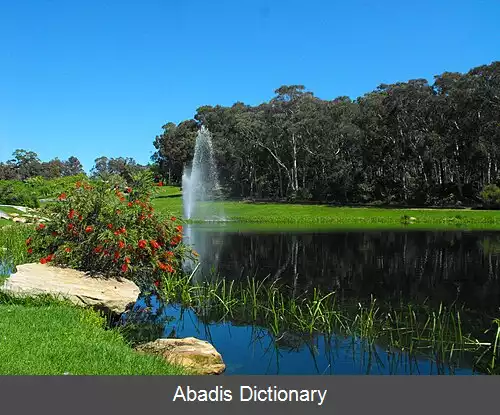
(419, 330)
(13, 247)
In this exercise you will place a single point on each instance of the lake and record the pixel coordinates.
(409, 267)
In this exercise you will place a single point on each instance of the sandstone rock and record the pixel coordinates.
(196, 355)
(4, 215)
(19, 219)
(76, 286)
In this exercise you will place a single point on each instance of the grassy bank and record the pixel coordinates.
(44, 337)
(168, 199)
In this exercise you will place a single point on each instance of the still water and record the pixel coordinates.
(450, 267)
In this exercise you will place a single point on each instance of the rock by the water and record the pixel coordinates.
(196, 355)
(107, 294)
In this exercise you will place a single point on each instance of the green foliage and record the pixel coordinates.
(110, 231)
(491, 196)
(46, 188)
(27, 193)
(411, 143)
(14, 192)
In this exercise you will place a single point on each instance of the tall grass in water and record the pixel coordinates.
(418, 330)
(12, 247)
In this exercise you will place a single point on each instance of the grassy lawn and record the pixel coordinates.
(169, 200)
(51, 338)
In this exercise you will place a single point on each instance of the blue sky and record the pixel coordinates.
(99, 77)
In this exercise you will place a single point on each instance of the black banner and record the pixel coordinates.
(248, 395)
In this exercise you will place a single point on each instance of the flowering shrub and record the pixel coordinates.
(112, 231)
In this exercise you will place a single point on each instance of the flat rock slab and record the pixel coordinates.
(76, 286)
(196, 355)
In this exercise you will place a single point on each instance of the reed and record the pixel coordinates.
(12, 247)
(418, 330)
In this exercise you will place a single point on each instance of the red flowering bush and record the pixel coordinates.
(109, 231)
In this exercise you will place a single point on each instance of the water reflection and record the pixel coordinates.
(249, 349)
(446, 267)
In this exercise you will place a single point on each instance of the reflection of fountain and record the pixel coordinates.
(208, 244)
(200, 183)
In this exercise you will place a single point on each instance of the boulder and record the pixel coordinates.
(107, 294)
(196, 355)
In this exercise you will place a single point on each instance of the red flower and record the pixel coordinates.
(49, 257)
(179, 228)
(110, 226)
(118, 211)
(28, 241)
(43, 260)
(122, 230)
(98, 249)
(173, 218)
(89, 229)
(130, 204)
(70, 226)
(41, 226)
(30, 250)
(141, 217)
(122, 199)
(121, 244)
(128, 190)
(54, 233)
(106, 252)
(78, 184)
(160, 184)
(154, 244)
(169, 254)
(71, 214)
(157, 284)
(80, 218)
(175, 240)
(117, 255)
(68, 249)
(142, 243)
(62, 196)
(124, 268)
(127, 260)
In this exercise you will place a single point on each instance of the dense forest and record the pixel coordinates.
(405, 143)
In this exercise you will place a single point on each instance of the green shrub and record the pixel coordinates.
(110, 230)
(16, 193)
(491, 196)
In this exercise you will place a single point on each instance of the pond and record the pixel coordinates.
(405, 267)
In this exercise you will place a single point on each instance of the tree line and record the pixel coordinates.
(404, 143)
(26, 165)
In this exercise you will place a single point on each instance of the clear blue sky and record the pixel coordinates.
(100, 77)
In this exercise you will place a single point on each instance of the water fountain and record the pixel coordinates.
(200, 182)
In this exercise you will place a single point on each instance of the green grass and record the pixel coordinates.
(45, 337)
(169, 200)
